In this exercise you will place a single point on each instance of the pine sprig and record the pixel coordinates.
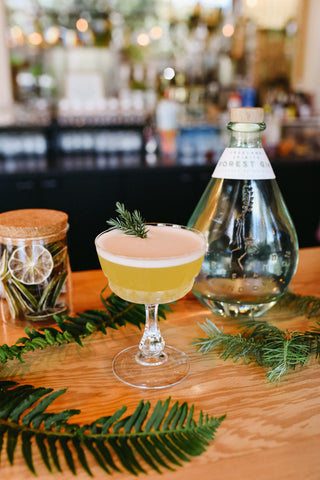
(258, 341)
(162, 439)
(306, 305)
(68, 329)
(130, 223)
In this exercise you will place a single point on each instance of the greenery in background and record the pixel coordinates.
(162, 439)
(257, 341)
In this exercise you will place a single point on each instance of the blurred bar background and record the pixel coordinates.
(128, 100)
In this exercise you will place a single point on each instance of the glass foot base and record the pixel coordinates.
(171, 371)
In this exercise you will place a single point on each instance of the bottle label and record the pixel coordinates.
(244, 164)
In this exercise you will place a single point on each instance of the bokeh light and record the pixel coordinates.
(51, 34)
(82, 25)
(228, 30)
(35, 38)
(168, 73)
(156, 32)
(143, 39)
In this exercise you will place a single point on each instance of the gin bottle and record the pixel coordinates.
(252, 247)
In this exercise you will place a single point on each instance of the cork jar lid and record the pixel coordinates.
(32, 223)
(247, 115)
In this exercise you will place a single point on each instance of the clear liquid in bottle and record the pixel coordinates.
(252, 248)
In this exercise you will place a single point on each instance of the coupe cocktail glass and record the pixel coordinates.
(158, 269)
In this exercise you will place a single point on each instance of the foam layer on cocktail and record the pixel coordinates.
(164, 247)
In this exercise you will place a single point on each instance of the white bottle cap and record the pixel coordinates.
(247, 115)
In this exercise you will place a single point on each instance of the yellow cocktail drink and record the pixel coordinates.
(158, 269)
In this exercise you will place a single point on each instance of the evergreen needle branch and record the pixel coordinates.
(230, 345)
(162, 439)
(268, 346)
(68, 329)
(130, 223)
(306, 305)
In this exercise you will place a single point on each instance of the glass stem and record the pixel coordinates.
(152, 344)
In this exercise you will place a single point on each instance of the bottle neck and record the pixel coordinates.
(245, 135)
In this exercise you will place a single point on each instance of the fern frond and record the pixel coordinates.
(68, 329)
(161, 439)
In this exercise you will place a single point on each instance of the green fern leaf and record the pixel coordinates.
(143, 452)
(27, 449)
(155, 454)
(105, 453)
(67, 453)
(171, 414)
(3, 430)
(81, 455)
(114, 418)
(12, 439)
(161, 439)
(172, 454)
(27, 402)
(40, 440)
(168, 443)
(117, 313)
(143, 415)
(96, 454)
(36, 412)
(52, 440)
(125, 455)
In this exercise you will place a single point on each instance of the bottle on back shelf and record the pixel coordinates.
(252, 247)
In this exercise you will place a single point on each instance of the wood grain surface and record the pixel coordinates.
(272, 431)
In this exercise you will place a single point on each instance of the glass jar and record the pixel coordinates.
(34, 266)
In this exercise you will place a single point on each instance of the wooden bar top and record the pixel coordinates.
(272, 431)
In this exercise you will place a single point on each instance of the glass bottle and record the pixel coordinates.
(252, 247)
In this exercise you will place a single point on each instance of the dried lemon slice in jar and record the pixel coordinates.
(31, 264)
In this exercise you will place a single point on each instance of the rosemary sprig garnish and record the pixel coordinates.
(130, 223)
